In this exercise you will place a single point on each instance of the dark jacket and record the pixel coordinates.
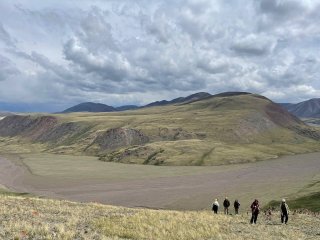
(236, 204)
(284, 208)
(255, 208)
(226, 203)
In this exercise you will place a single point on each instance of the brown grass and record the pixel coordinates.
(209, 132)
(31, 218)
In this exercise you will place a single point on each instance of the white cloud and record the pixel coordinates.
(255, 45)
(7, 69)
(123, 52)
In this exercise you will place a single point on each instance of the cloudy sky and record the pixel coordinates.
(54, 54)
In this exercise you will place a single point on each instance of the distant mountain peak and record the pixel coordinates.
(187, 99)
(305, 109)
(90, 107)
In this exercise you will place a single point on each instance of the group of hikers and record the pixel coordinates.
(255, 209)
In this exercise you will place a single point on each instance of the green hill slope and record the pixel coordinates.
(31, 218)
(222, 129)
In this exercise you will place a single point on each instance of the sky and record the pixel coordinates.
(55, 54)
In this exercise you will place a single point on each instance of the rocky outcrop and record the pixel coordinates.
(44, 129)
(65, 133)
(120, 137)
(173, 134)
(312, 133)
(26, 126)
(136, 154)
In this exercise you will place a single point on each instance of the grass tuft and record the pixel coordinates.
(32, 218)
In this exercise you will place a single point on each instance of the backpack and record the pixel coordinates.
(214, 207)
(283, 208)
(226, 203)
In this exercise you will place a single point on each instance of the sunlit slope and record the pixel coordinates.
(225, 128)
(30, 218)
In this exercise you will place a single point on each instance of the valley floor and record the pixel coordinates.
(86, 179)
(32, 218)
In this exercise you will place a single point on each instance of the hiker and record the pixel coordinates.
(255, 209)
(236, 205)
(215, 206)
(284, 211)
(226, 204)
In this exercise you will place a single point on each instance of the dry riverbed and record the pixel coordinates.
(86, 179)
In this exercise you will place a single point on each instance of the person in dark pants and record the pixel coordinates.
(255, 209)
(226, 205)
(215, 206)
(284, 211)
(236, 205)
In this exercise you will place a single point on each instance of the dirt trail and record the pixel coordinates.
(265, 180)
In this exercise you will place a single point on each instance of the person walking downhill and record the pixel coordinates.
(215, 206)
(284, 211)
(255, 209)
(236, 205)
(226, 205)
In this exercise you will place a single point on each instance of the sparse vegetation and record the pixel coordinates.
(213, 131)
(6, 192)
(310, 202)
(32, 218)
(312, 122)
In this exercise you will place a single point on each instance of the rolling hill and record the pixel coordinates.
(90, 107)
(306, 109)
(127, 107)
(219, 129)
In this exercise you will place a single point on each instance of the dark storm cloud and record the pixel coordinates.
(139, 51)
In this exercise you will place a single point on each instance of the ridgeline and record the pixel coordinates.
(221, 129)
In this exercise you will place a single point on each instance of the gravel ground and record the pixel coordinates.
(266, 180)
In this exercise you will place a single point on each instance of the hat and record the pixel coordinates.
(283, 200)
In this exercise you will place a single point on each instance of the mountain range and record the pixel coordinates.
(225, 128)
(306, 109)
(99, 107)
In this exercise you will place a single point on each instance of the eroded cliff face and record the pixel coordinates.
(120, 137)
(216, 129)
(42, 129)
(48, 130)
(27, 126)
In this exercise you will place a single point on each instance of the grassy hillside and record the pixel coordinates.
(310, 202)
(217, 130)
(31, 218)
